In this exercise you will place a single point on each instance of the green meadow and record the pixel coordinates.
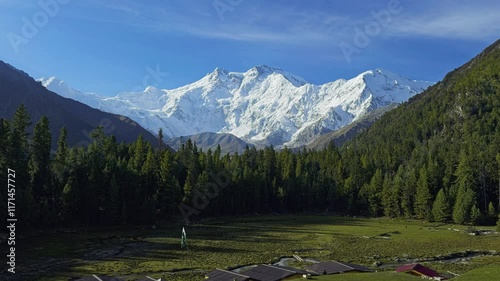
(133, 253)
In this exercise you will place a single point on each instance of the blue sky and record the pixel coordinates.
(111, 46)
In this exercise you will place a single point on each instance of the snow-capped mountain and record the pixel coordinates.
(17, 87)
(61, 88)
(263, 105)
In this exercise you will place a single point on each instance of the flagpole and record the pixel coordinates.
(184, 243)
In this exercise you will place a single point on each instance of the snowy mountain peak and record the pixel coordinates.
(218, 72)
(218, 75)
(262, 106)
(386, 85)
(151, 89)
(263, 71)
(54, 81)
(254, 75)
(379, 72)
(221, 71)
(56, 85)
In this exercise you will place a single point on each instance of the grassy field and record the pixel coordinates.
(133, 253)
(487, 273)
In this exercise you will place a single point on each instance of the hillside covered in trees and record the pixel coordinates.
(435, 157)
(438, 155)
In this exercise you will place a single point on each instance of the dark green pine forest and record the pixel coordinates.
(435, 158)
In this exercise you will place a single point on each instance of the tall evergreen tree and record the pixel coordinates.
(139, 155)
(498, 167)
(441, 211)
(161, 143)
(71, 200)
(39, 170)
(62, 146)
(492, 213)
(423, 198)
(475, 215)
(39, 160)
(375, 193)
(390, 198)
(17, 159)
(115, 201)
(463, 205)
(407, 187)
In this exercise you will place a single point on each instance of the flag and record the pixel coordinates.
(183, 239)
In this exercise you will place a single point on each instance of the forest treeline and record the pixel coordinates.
(436, 158)
(116, 183)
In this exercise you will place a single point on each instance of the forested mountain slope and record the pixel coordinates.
(344, 134)
(17, 87)
(443, 143)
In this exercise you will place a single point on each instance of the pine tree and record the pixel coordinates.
(498, 167)
(62, 146)
(19, 136)
(139, 154)
(149, 173)
(441, 211)
(465, 173)
(60, 165)
(492, 213)
(423, 198)
(189, 185)
(390, 198)
(38, 164)
(375, 193)
(475, 215)
(115, 201)
(169, 191)
(17, 159)
(39, 170)
(161, 143)
(466, 183)
(463, 205)
(407, 181)
(71, 199)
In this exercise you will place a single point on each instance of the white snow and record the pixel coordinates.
(263, 105)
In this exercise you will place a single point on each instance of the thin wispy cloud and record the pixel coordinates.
(294, 25)
(476, 22)
(317, 39)
(278, 24)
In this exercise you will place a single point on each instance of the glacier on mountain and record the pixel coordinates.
(262, 106)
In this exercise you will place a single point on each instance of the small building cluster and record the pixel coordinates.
(420, 271)
(333, 267)
(266, 272)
